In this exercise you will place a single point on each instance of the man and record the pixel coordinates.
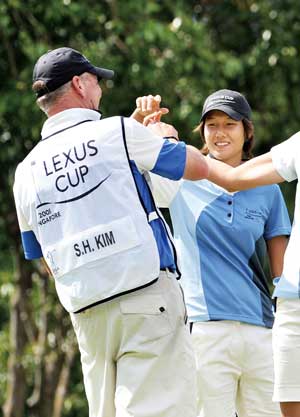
(85, 206)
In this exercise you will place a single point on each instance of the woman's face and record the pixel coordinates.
(224, 137)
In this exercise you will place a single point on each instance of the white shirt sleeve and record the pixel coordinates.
(153, 153)
(285, 157)
(164, 190)
(17, 190)
(143, 145)
(31, 246)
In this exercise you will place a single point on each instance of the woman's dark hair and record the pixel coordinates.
(248, 144)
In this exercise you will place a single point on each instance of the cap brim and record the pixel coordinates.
(228, 110)
(104, 73)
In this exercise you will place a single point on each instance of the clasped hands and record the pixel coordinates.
(149, 113)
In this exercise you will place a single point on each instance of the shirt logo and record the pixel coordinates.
(51, 262)
(78, 197)
(252, 214)
(68, 175)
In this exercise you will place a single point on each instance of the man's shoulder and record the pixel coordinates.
(22, 165)
(21, 174)
(114, 121)
(133, 124)
(119, 122)
(23, 168)
(291, 145)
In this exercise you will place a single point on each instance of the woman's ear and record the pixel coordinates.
(246, 136)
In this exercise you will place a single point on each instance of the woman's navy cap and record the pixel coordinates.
(59, 66)
(230, 102)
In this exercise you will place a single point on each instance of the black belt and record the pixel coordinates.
(168, 270)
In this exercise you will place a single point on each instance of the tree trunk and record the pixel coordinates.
(63, 383)
(16, 387)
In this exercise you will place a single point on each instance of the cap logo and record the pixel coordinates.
(231, 102)
(221, 99)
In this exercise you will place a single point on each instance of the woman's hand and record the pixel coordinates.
(147, 105)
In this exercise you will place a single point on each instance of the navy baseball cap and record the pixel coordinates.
(230, 102)
(59, 66)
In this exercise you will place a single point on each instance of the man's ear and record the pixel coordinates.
(78, 85)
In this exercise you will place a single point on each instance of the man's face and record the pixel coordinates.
(92, 89)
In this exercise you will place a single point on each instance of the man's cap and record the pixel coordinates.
(230, 102)
(59, 66)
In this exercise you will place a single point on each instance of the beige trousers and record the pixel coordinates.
(286, 345)
(136, 353)
(235, 369)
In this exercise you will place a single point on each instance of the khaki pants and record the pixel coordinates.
(136, 354)
(235, 369)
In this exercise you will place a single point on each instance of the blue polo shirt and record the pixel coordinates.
(220, 238)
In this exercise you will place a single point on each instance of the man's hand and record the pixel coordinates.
(147, 105)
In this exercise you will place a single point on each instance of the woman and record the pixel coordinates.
(222, 239)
